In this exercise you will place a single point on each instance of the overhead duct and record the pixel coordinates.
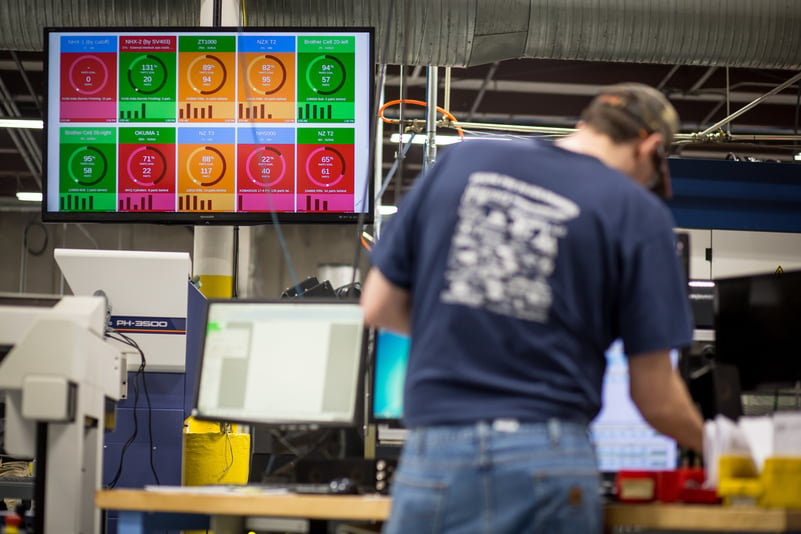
(736, 33)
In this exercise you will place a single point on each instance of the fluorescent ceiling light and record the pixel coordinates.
(387, 210)
(29, 196)
(420, 139)
(701, 283)
(22, 123)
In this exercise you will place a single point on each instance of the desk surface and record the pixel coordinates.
(702, 517)
(202, 501)
(376, 508)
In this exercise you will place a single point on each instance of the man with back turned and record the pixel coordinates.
(514, 265)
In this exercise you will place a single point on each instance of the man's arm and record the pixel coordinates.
(663, 400)
(385, 304)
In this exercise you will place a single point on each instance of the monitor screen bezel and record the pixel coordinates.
(278, 423)
(227, 217)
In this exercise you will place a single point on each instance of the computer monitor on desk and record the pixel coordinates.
(623, 439)
(287, 363)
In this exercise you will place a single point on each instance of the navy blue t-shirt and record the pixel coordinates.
(524, 262)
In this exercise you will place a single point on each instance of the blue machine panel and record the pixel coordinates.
(736, 195)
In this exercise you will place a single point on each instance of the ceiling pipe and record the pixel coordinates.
(735, 33)
(730, 117)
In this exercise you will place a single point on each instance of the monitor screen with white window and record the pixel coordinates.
(623, 439)
(286, 363)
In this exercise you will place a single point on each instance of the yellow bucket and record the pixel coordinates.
(214, 453)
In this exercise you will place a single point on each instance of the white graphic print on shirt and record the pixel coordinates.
(505, 246)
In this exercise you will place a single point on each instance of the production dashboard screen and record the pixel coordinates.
(208, 124)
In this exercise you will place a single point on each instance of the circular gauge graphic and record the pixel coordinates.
(265, 167)
(325, 166)
(87, 166)
(88, 74)
(206, 74)
(147, 74)
(266, 74)
(206, 166)
(325, 75)
(146, 166)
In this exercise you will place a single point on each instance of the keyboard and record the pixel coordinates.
(341, 486)
(313, 488)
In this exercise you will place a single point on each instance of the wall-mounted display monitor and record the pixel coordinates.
(208, 125)
(284, 363)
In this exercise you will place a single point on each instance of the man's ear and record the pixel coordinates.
(653, 143)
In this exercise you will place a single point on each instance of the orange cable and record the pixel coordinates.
(445, 112)
(366, 245)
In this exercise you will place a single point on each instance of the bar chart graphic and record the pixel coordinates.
(194, 112)
(314, 113)
(133, 203)
(140, 113)
(254, 112)
(77, 202)
(199, 203)
(325, 203)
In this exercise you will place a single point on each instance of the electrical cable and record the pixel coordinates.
(217, 13)
(27, 241)
(235, 266)
(295, 281)
(377, 89)
(113, 483)
(140, 373)
(89, 236)
(797, 106)
(445, 112)
(299, 456)
(230, 448)
(394, 168)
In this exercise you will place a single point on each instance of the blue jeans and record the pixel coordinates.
(497, 478)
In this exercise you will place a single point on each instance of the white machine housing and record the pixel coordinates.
(147, 292)
(62, 372)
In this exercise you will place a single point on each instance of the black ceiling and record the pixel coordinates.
(525, 92)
